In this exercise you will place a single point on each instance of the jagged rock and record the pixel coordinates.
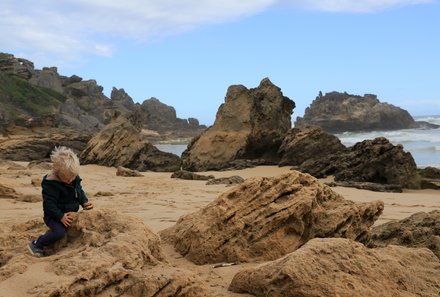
(339, 112)
(368, 186)
(183, 174)
(103, 254)
(249, 125)
(48, 78)
(232, 180)
(71, 115)
(121, 143)
(430, 172)
(266, 218)
(121, 100)
(52, 100)
(308, 144)
(374, 161)
(16, 66)
(121, 171)
(379, 161)
(419, 230)
(160, 117)
(341, 267)
(39, 146)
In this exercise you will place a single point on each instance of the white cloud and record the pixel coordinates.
(358, 6)
(71, 28)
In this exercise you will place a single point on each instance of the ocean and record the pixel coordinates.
(423, 144)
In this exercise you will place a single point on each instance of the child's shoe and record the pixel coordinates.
(34, 249)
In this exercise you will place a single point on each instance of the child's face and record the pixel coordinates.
(68, 180)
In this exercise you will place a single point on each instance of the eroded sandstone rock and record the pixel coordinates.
(121, 143)
(266, 218)
(419, 230)
(341, 267)
(249, 125)
(103, 254)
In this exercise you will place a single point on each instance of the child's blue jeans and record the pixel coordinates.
(57, 231)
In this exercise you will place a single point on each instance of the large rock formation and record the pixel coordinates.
(341, 267)
(339, 112)
(266, 218)
(103, 254)
(419, 230)
(121, 143)
(31, 94)
(249, 125)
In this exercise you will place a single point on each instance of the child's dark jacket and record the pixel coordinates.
(59, 197)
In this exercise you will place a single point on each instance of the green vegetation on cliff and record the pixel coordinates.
(20, 100)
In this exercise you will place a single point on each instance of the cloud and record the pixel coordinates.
(359, 6)
(63, 31)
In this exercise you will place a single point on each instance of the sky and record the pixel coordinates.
(187, 53)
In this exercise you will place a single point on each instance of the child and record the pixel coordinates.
(62, 194)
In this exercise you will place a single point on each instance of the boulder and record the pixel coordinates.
(266, 218)
(342, 267)
(339, 112)
(372, 161)
(126, 172)
(308, 144)
(378, 161)
(419, 230)
(103, 254)
(250, 124)
(121, 143)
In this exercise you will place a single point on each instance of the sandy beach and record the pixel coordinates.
(158, 201)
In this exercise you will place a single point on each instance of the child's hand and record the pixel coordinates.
(87, 205)
(67, 219)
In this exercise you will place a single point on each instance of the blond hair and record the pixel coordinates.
(65, 163)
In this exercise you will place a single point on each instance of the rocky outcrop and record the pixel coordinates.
(75, 103)
(103, 254)
(341, 267)
(266, 218)
(339, 112)
(307, 145)
(160, 117)
(419, 230)
(374, 161)
(249, 125)
(39, 145)
(121, 143)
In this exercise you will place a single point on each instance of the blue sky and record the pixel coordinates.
(187, 53)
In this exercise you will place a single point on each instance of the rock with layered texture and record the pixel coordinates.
(339, 112)
(341, 267)
(266, 218)
(121, 143)
(40, 144)
(419, 230)
(103, 254)
(249, 125)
